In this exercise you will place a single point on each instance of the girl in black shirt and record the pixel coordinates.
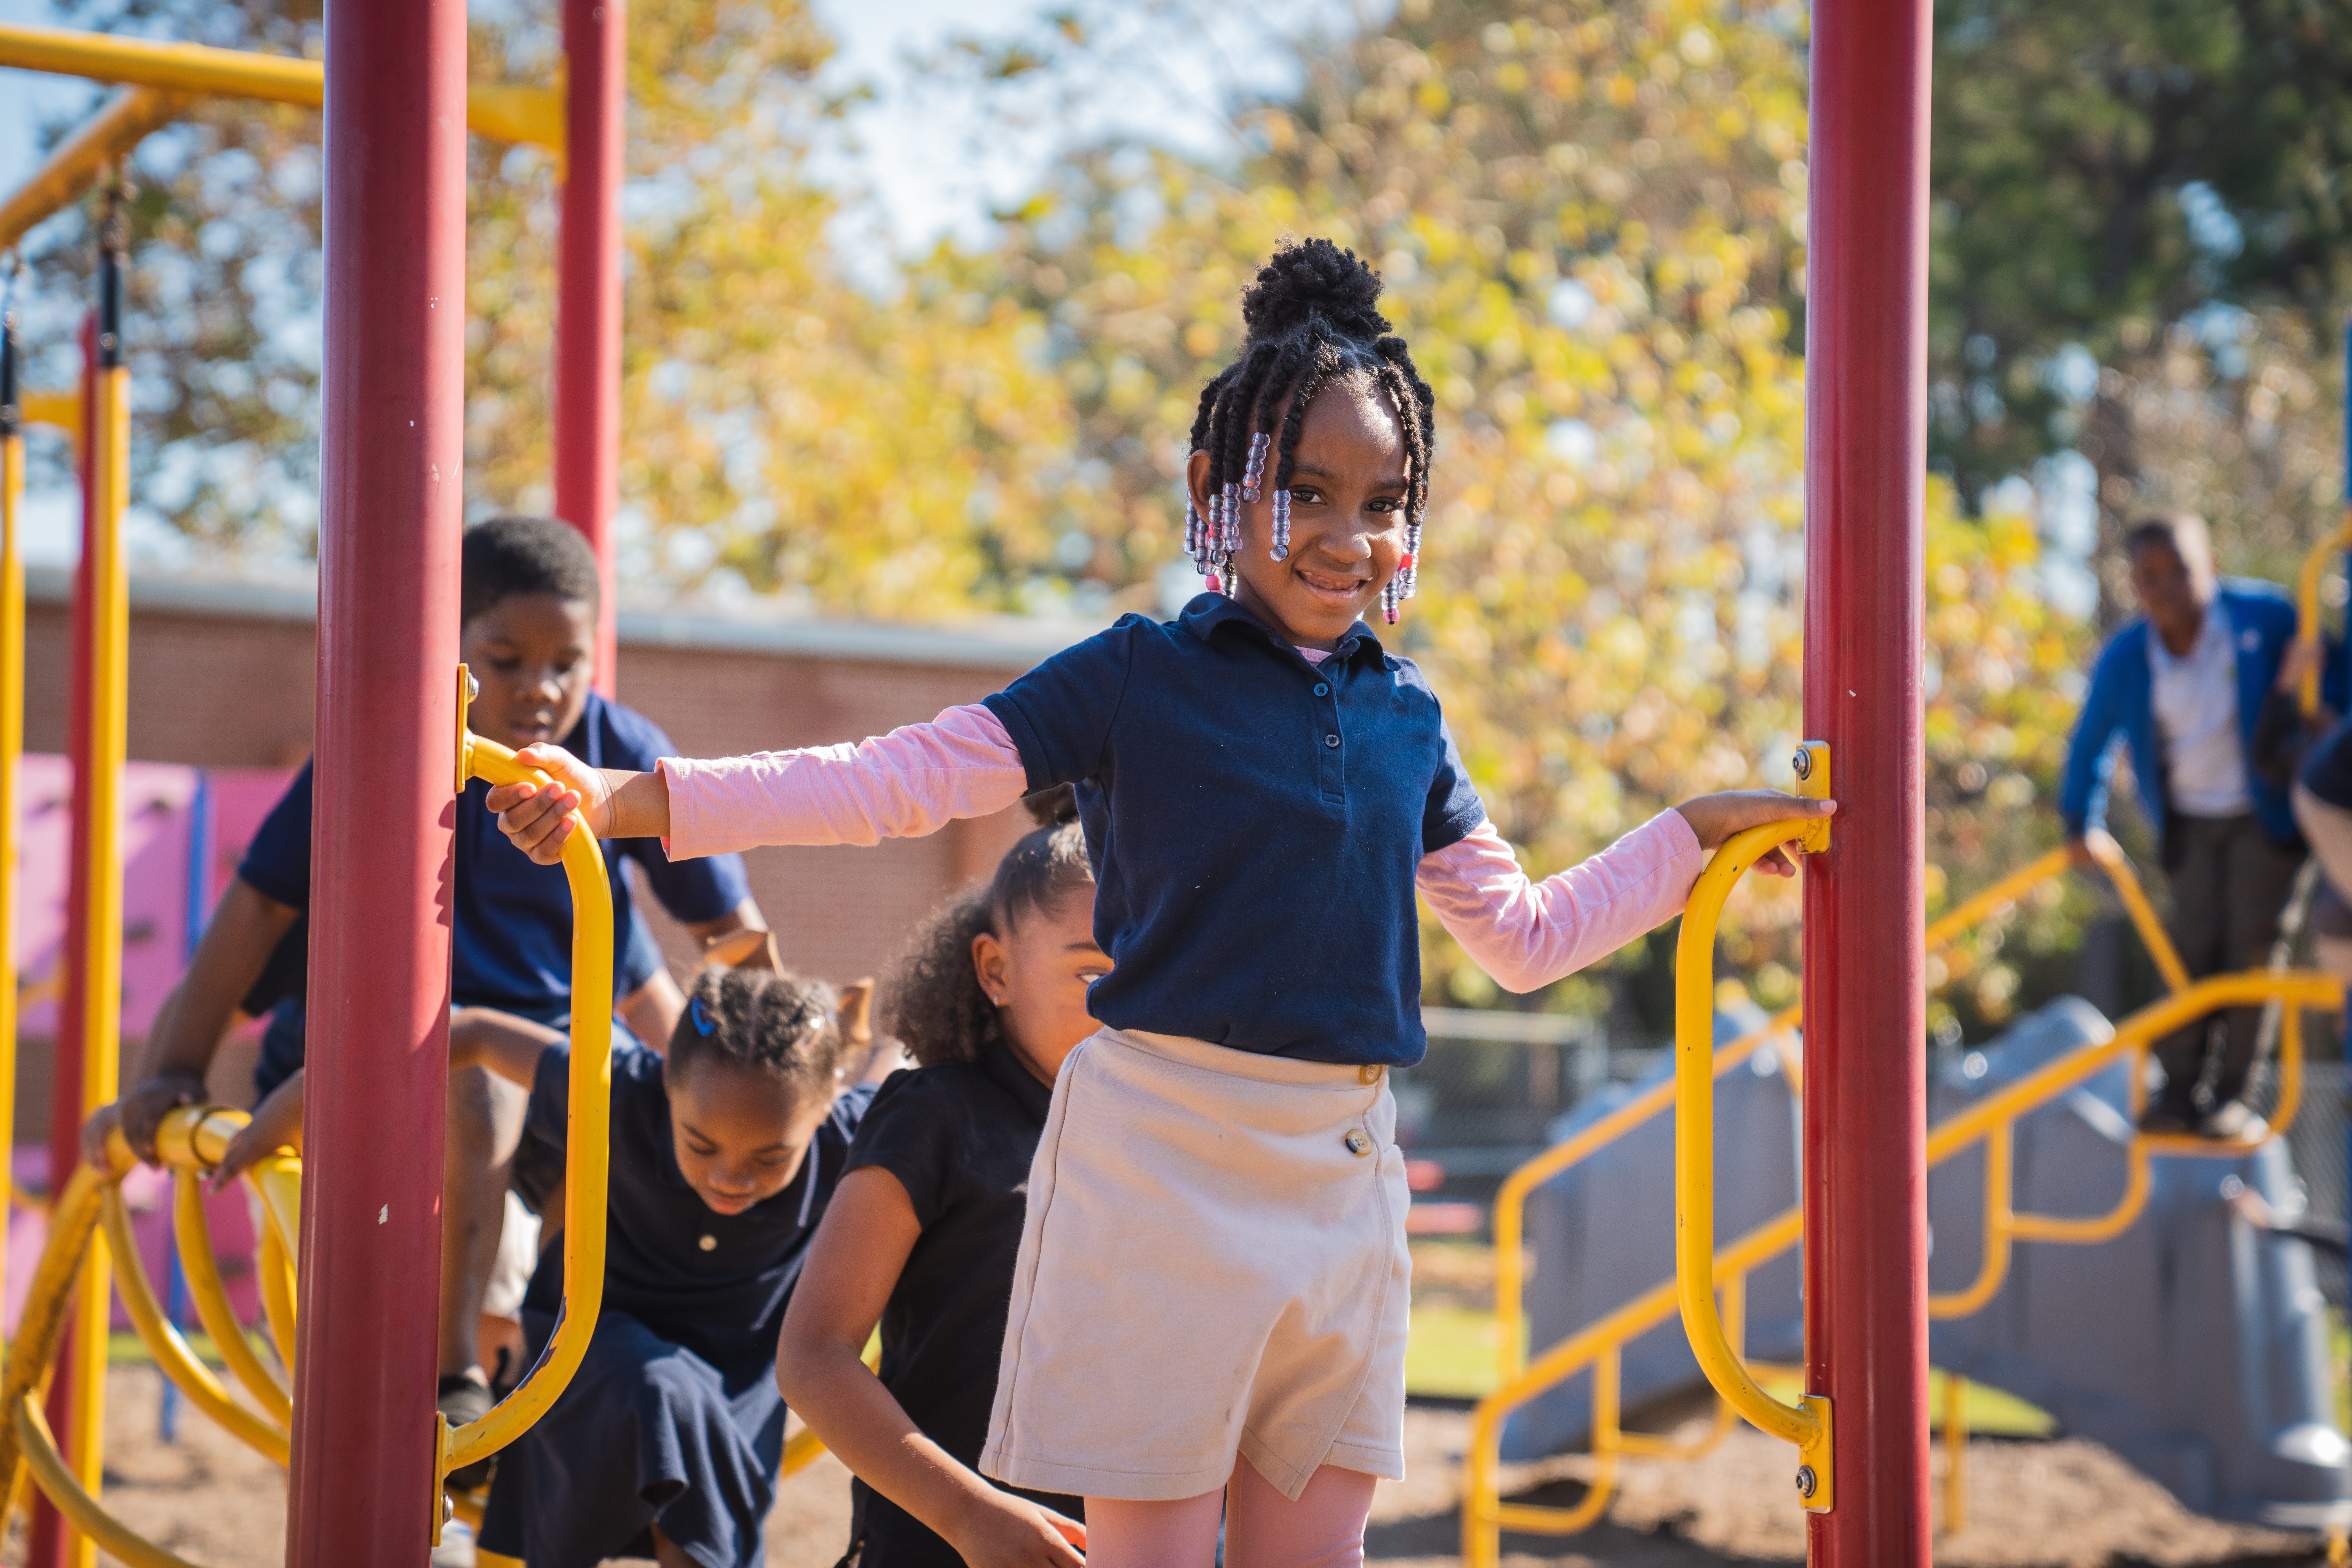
(924, 1228)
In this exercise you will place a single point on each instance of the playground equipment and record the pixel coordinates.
(193, 1143)
(396, 103)
(1712, 1288)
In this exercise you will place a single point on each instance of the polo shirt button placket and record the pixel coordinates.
(1332, 741)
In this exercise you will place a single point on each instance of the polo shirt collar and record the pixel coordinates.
(1208, 612)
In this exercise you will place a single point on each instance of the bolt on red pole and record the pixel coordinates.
(588, 292)
(1865, 939)
(361, 1491)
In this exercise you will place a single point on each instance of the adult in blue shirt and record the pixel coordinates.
(2183, 685)
(528, 615)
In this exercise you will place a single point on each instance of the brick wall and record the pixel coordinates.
(224, 677)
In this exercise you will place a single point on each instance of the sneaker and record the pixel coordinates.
(2232, 1123)
(464, 1396)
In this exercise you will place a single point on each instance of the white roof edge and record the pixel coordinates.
(999, 643)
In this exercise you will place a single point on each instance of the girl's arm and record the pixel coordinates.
(911, 782)
(854, 1262)
(1527, 934)
(507, 1046)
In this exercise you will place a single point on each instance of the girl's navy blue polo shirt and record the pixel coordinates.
(1254, 823)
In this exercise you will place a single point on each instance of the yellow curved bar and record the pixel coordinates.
(1732, 1290)
(55, 1479)
(2000, 1225)
(193, 1230)
(503, 111)
(1807, 1425)
(48, 1302)
(274, 1267)
(2306, 606)
(1510, 1199)
(170, 1351)
(2086, 1231)
(588, 1143)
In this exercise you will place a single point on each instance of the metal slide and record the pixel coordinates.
(2194, 1343)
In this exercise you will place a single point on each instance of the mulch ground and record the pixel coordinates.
(2062, 1504)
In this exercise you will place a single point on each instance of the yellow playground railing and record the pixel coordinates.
(1599, 1346)
(191, 1144)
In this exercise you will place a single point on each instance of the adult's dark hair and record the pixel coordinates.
(1313, 319)
(2182, 532)
(506, 557)
(758, 1020)
(931, 999)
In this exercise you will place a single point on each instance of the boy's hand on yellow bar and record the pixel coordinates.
(1714, 818)
(538, 817)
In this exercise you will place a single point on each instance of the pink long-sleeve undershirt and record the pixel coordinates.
(916, 779)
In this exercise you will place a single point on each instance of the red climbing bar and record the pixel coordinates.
(389, 494)
(588, 306)
(1864, 991)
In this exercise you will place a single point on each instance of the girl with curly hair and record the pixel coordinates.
(990, 999)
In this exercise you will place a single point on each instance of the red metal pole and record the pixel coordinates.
(360, 1493)
(1864, 986)
(47, 1545)
(588, 292)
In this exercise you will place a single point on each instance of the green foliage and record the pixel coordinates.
(1591, 218)
(2101, 169)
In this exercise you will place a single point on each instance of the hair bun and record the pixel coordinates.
(1314, 278)
(1054, 807)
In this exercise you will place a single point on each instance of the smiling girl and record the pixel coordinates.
(665, 1443)
(1208, 1313)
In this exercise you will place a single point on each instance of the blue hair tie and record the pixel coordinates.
(703, 1023)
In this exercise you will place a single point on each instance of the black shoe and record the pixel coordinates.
(464, 1396)
(2164, 1116)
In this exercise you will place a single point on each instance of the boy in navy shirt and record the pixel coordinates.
(528, 613)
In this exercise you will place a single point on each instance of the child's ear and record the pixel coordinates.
(854, 1016)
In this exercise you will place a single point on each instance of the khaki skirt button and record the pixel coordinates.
(1357, 1141)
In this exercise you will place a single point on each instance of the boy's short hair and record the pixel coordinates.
(507, 556)
(2182, 532)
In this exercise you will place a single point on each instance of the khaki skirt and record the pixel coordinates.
(1212, 1266)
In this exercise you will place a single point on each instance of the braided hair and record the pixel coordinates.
(931, 1000)
(1312, 321)
(760, 1021)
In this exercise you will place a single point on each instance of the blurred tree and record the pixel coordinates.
(2116, 183)
(783, 431)
(1590, 216)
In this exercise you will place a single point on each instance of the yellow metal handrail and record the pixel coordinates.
(588, 1143)
(1808, 1423)
(1485, 1515)
(2306, 606)
(513, 111)
(1510, 1199)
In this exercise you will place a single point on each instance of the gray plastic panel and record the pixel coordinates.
(2193, 1344)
